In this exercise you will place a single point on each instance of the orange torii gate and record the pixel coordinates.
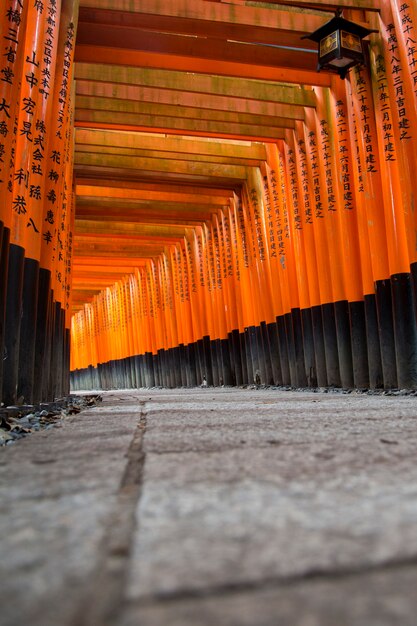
(37, 206)
(239, 217)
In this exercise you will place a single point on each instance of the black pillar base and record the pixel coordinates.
(309, 348)
(319, 347)
(405, 330)
(344, 345)
(359, 345)
(386, 333)
(13, 323)
(330, 345)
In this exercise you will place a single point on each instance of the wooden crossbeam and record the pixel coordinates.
(142, 192)
(166, 156)
(96, 187)
(102, 245)
(187, 168)
(181, 218)
(176, 145)
(100, 124)
(108, 206)
(155, 213)
(322, 5)
(165, 124)
(177, 98)
(90, 278)
(196, 83)
(91, 54)
(190, 114)
(236, 172)
(105, 37)
(85, 263)
(85, 260)
(125, 228)
(248, 23)
(104, 173)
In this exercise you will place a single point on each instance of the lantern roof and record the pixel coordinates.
(339, 23)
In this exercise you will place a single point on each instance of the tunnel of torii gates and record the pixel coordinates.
(186, 200)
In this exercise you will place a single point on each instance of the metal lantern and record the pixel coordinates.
(340, 45)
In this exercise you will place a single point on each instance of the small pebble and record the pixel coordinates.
(17, 422)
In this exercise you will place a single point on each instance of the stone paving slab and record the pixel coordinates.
(211, 507)
(246, 489)
(57, 490)
(383, 598)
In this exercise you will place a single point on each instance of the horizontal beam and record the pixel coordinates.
(200, 18)
(191, 114)
(85, 53)
(86, 280)
(227, 86)
(324, 5)
(103, 245)
(104, 37)
(131, 193)
(167, 156)
(168, 188)
(80, 261)
(192, 168)
(109, 206)
(176, 145)
(113, 119)
(154, 95)
(104, 173)
(118, 242)
(102, 270)
(177, 216)
(172, 131)
(150, 231)
(187, 222)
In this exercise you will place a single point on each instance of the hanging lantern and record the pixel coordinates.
(340, 45)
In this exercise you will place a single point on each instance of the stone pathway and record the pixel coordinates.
(214, 508)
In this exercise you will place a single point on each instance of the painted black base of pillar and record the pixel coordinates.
(4, 268)
(289, 334)
(235, 357)
(264, 358)
(214, 363)
(309, 348)
(319, 347)
(190, 351)
(383, 297)
(405, 330)
(12, 324)
(283, 350)
(56, 372)
(228, 377)
(207, 361)
(254, 356)
(330, 345)
(301, 378)
(273, 342)
(344, 345)
(360, 363)
(376, 377)
(26, 371)
(247, 374)
(247, 357)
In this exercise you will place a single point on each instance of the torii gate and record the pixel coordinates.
(239, 217)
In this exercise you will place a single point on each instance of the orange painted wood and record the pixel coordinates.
(199, 18)
(11, 65)
(178, 97)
